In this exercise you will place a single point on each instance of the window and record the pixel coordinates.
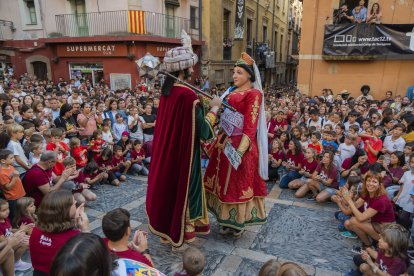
(249, 30)
(281, 47)
(31, 8)
(170, 26)
(226, 24)
(264, 34)
(275, 42)
(194, 18)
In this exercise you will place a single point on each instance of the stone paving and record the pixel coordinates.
(297, 230)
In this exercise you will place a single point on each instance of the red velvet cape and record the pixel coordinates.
(171, 164)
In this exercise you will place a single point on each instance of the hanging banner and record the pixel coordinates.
(368, 41)
(239, 26)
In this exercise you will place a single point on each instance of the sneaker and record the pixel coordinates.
(22, 266)
(311, 198)
(410, 249)
(356, 249)
(93, 187)
(349, 235)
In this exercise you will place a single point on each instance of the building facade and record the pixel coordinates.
(381, 74)
(92, 39)
(294, 29)
(265, 38)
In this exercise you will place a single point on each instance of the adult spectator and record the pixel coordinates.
(40, 180)
(135, 124)
(375, 14)
(377, 209)
(315, 120)
(365, 89)
(87, 121)
(66, 122)
(113, 110)
(27, 114)
(360, 12)
(54, 108)
(83, 254)
(58, 220)
(343, 15)
(117, 229)
(148, 125)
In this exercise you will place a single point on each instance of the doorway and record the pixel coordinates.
(40, 70)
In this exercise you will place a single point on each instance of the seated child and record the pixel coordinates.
(80, 153)
(117, 229)
(193, 262)
(315, 144)
(119, 166)
(137, 156)
(81, 191)
(93, 176)
(61, 149)
(25, 212)
(391, 257)
(104, 161)
(7, 231)
(276, 156)
(36, 149)
(10, 181)
(329, 144)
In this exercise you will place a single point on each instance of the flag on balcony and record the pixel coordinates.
(136, 22)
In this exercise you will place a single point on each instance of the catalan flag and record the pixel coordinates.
(136, 22)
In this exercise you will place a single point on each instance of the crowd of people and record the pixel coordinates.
(60, 141)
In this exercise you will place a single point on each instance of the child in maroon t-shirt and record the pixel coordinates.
(137, 156)
(25, 212)
(104, 161)
(116, 227)
(120, 166)
(6, 231)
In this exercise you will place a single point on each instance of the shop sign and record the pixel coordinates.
(159, 50)
(92, 50)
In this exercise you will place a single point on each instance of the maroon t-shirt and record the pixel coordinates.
(34, 178)
(102, 163)
(44, 247)
(346, 165)
(294, 160)
(279, 155)
(6, 228)
(394, 266)
(130, 254)
(309, 167)
(116, 161)
(383, 206)
(326, 174)
(135, 154)
(25, 220)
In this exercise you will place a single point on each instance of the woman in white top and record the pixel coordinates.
(374, 14)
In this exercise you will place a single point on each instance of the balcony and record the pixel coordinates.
(6, 30)
(120, 23)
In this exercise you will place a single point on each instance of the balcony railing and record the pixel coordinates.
(6, 30)
(118, 23)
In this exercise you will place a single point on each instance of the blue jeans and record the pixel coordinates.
(204, 163)
(290, 176)
(139, 168)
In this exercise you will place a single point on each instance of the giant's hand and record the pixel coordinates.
(215, 102)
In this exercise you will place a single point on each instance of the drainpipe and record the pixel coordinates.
(257, 27)
(273, 38)
(200, 27)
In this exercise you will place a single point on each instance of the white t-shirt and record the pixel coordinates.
(107, 136)
(138, 135)
(317, 124)
(346, 151)
(17, 149)
(405, 201)
(391, 145)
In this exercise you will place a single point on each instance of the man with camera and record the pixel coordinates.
(343, 15)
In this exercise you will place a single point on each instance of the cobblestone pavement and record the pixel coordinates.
(297, 230)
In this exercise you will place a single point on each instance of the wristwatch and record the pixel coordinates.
(146, 251)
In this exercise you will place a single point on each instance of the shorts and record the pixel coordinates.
(331, 191)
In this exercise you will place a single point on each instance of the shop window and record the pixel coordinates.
(86, 71)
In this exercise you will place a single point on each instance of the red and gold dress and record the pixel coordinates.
(236, 197)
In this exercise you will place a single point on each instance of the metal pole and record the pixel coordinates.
(193, 87)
